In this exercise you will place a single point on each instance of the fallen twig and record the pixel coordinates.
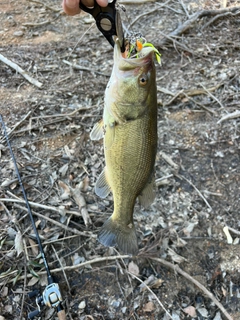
(200, 194)
(17, 125)
(78, 67)
(173, 39)
(184, 8)
(78, 266)
(211, 95)
(36, 24)
(46, 6)
(42, 206)
(61, 225)
(163, 180)
(64, 273)
(21, 71)
(135, 1)
(146, 13)
(149, 289)
(225, 14)
(169, 160)
(199, 104)
(187, 93)
(233, 115)
(176, 268)
(192, 19)
(66, 115)
(234, 231)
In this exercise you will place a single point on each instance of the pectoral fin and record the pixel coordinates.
(97, 132)
(102, 188)
(109, 136)
(148, 194)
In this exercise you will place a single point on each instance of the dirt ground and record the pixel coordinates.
(197, 166)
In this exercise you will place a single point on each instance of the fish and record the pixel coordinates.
(129, 130)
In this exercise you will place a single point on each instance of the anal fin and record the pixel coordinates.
(102, 188)
(148, 194)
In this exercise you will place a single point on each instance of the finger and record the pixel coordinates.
(90, 3)
(102, 3)
(71, 7)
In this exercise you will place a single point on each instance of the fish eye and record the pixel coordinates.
(143, 80)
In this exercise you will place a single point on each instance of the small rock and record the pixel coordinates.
(18, 33)
(203, 312)
(82, 305)
(124, 309)
(222, 76)
(115, 304)
(217, 316)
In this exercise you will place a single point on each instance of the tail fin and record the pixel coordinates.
(112, 233)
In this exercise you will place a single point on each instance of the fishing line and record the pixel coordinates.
(51, 295)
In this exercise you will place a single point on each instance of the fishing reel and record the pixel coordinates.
(50, 297)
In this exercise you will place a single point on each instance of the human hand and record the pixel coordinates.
(71, 7)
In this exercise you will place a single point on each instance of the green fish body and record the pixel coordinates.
(129, 128)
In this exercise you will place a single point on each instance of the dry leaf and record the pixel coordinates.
(189, 228)
(32, 281)
(217, 316)
(8, 308)
(133, 268)
(224, 291)
(80, 201)
(4, 292)
(66, 190)
(149, 307)
(191, 311)
(63, 170)
(157, 283)
(229, 237)
(176, 257)
(203, 312)
(34, 246)
(76, 259)
(18, 243)
(151, 282)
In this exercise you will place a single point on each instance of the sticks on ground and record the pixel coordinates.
(167, 264)
(176, 268)
(233, 115)
(193, 18)
(46, 6)
(21, 71)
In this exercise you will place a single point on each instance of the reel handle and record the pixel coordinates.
(33, 314)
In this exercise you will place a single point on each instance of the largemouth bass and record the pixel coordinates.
(129, 128)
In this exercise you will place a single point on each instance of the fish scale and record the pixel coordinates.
(138, 155)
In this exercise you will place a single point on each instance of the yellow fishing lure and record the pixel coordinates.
(138, 45)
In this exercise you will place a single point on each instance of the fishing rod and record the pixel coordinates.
(51, 295)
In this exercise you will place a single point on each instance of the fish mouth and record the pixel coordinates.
(123, 63)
